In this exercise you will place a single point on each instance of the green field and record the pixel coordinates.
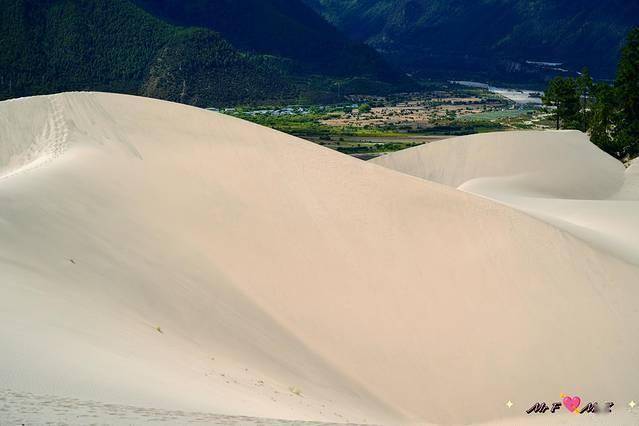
(498, 115)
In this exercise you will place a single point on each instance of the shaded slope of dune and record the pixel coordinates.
(173, 257)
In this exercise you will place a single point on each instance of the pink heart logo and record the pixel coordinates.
(572, 403)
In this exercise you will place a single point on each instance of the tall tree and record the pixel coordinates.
(627, 88)
(603, 118)
(585, 86)
(563, 97)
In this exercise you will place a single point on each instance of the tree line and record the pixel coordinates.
(609, 113)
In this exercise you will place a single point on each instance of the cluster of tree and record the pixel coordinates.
(364, 108)
(609, 113)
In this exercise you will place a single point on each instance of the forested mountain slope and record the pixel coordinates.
(112, 45)
(286, 28)
(493, 36)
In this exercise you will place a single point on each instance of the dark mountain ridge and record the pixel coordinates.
(283, 28)
(502, 38)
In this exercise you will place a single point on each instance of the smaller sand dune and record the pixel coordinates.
(630, 188)
(557, 176)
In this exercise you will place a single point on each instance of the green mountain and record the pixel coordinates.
(505, 38)
(149, 48)
(49, 46)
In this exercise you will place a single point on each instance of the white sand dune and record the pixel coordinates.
(557, 176)
(158, 255)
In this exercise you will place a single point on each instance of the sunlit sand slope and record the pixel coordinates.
(158, 255)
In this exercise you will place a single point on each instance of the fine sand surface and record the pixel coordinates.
(19, 408)
(162, 256)
(557, 176)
